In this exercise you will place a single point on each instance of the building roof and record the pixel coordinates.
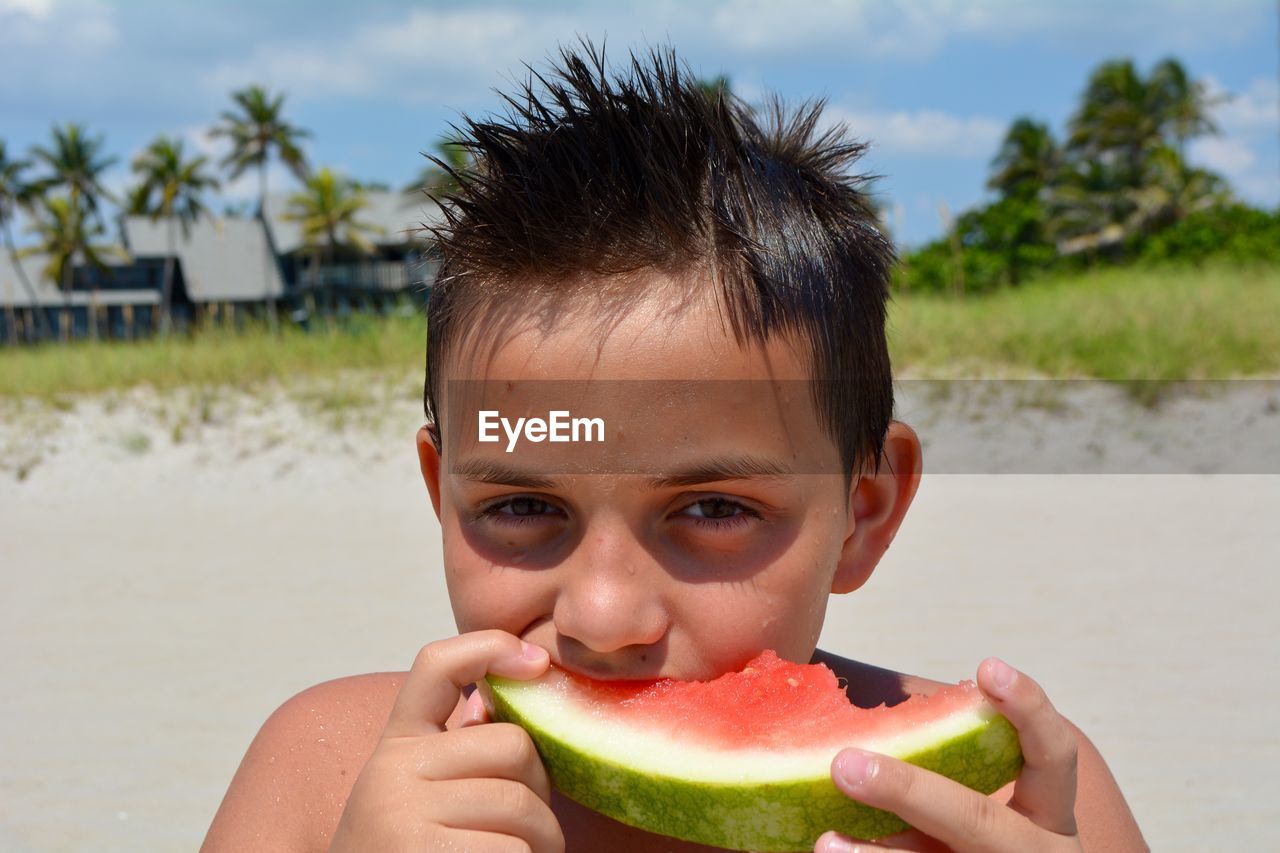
(45, 293)
(398, 214)
(12, 290)
(223, 260)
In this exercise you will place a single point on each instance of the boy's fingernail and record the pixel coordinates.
(856, 768)
(530, 652)
(475, 710)
(1002, 675)
(839, 844)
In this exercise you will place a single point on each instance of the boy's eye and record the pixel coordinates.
(524, 506)
(519, 510)
(715, 508)
(719, 512)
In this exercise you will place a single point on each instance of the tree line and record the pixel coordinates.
(60, 189)
(1116, 189)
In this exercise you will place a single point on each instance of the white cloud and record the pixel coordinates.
(1244, 152)
(918, 29)
(1260, 188)
(1256, 109)
(429, 53)
(1228, 156)
(200, 138)
(861, 29)
(453, 54)
(1085, 23)
(70, 27)
(30, 8)
(245, 187)
(930, 133)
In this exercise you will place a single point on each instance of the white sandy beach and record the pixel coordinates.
(169, 579)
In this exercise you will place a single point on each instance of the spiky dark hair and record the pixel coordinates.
(593, 173)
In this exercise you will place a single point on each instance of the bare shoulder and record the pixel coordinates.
(294, 780)
(1102, 814)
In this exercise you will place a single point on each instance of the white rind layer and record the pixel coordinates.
(559, 714)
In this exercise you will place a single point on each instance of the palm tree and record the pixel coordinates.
(1122, 111)
(327, 208)
(1027, 161)
(75, 163)
(1183, 104)
(1119, 118)
(1125, 148)
(169, 186)
(439, 177)
(15, 193)
(66, 234)
(257, 131)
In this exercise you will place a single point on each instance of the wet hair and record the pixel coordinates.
(591, 174)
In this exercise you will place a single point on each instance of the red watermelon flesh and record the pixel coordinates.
(769, 703)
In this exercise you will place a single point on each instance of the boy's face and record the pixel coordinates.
(695, 536)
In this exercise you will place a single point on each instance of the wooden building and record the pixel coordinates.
(223, 269)
(118, 301)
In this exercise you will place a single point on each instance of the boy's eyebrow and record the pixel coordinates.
(725, 468)
(488, 471)
(710, 471)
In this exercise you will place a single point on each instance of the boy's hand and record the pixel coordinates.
(474, 788)
(1040, 815)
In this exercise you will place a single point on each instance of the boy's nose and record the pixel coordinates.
(611, 593)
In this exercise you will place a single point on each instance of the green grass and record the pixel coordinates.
(214, 358)
(1119, 324)
(1214, 323)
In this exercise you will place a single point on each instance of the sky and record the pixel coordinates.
(930, 84)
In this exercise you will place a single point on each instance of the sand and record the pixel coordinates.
(175, 567)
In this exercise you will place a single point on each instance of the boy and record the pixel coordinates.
(712, 293)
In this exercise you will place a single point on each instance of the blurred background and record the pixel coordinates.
(213, 276)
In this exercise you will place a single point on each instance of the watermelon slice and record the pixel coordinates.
(744, 761)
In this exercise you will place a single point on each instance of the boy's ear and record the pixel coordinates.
(877, 504)
(429, 460)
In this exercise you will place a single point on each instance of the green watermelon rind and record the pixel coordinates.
(769, 816)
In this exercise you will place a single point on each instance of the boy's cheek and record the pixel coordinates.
(484, 598)
(531, 546)
(730, 556)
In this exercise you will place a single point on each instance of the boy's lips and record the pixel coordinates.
(604, 673)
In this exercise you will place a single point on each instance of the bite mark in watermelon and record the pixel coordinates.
(744, 761)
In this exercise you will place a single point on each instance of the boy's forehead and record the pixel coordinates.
(667, 328)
